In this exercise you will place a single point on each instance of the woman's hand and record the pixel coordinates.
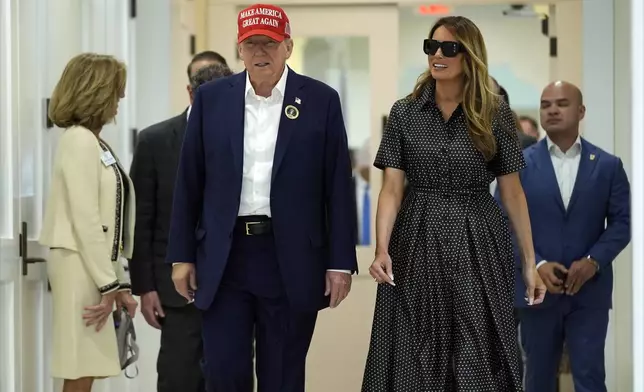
(125, 300)
(99, 314)
(535, 288)
(381, 269)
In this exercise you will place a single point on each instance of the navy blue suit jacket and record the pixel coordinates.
(596, 222)
(311, 191)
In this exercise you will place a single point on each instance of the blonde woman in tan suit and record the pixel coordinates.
(88, 224)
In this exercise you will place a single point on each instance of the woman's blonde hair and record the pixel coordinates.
(480, 102)
(88, 92)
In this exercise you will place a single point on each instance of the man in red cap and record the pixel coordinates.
(260, 237)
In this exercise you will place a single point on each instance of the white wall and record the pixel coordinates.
(153, 62)
(517, 51)
(106, 28)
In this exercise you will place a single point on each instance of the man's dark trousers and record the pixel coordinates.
(251, 301)
(180, 355)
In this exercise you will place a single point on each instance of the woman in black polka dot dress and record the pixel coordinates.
(443, 318)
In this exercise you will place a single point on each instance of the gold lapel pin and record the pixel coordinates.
(592, 157)
(291, 112)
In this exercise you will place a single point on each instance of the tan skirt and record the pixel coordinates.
(78, 351)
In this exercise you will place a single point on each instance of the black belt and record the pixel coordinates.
(254, 225)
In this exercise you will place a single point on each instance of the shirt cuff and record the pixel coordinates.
(542, 262)
(337, 270)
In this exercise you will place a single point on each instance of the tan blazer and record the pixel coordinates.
(85, 209)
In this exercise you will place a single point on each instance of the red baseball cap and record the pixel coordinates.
(263, 19)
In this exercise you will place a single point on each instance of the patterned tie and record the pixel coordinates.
(366, 217)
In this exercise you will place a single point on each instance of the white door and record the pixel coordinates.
(359, 58)
(24, 302)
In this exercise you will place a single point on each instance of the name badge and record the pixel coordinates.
(107, 158)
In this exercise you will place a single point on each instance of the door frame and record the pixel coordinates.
(10, 283)
(23, 291)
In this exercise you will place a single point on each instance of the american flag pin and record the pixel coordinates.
(592, 157)
(298, 101)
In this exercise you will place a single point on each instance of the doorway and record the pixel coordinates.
(24, 303)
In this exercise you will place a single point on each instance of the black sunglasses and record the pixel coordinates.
(448, 48)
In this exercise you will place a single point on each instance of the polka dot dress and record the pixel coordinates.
(447, 325)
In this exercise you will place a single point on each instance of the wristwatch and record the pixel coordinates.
(593, 262)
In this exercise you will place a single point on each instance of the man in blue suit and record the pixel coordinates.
(579, 202)
(261, 235)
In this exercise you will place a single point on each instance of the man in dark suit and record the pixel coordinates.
(579, 203)
(259, 231)
(153, 173)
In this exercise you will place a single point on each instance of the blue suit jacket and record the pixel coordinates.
(596, 222)
(311, 190)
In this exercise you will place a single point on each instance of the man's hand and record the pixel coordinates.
(185, 280)
(548, 273)
(152, 309)
(338, 285)
(579, 273)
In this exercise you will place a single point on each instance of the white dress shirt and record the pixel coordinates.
(261, 124)
(566, 166)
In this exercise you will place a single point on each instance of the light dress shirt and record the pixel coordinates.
(261, 123)
(566, 166)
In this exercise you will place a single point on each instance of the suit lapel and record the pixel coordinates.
(235, 125)
(287, 126)
(587, 163)
(544, 163)
(178, 131)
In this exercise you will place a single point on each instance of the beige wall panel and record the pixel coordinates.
(181, 24)
(201, 24)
